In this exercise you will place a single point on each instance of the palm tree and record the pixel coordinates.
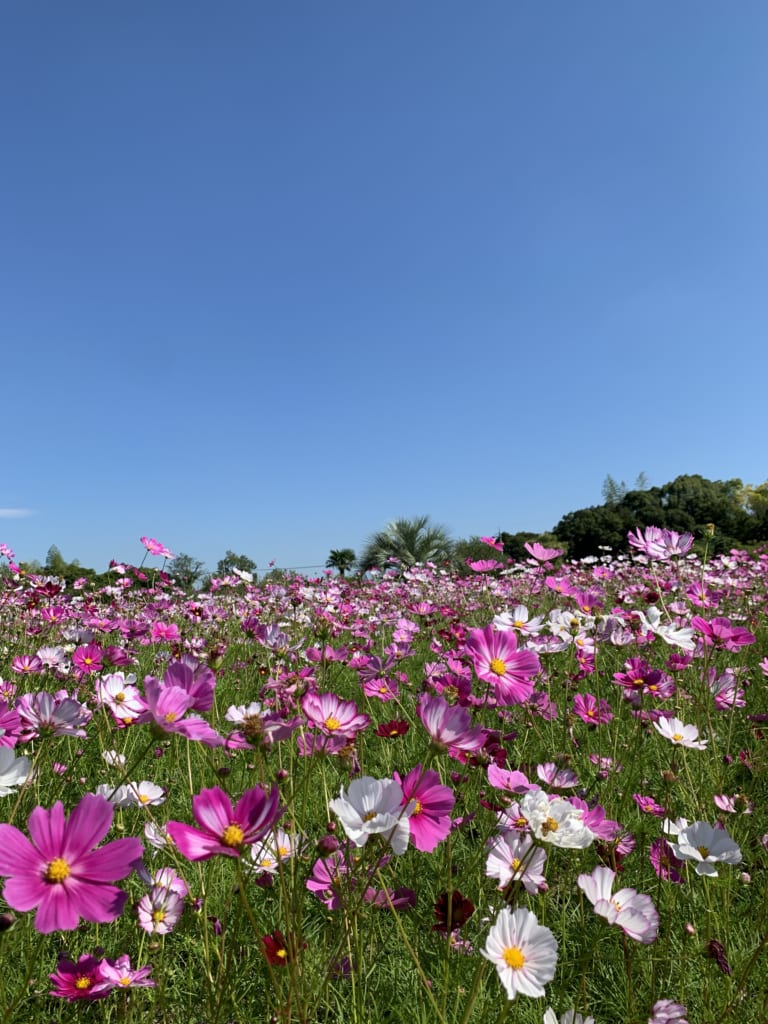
(409, 541)
(341, 559)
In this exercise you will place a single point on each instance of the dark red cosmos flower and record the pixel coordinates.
(452, 910)
(280, 950)
(391, 730)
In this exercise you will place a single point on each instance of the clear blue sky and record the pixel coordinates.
(272, 274)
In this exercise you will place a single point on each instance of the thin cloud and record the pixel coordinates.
(15, 513)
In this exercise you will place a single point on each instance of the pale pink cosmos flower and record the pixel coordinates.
(160, 910)
(513, 857)
(540, 553)
(449, 726)
(633, 912)
(60, 872)
(332, 715)
(51, 714)
(556, 821)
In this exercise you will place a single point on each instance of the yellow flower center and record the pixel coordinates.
(418, 807)
(283, 851)
(124, 981)
(82, 982)
(282, 953)
(232, 835)
(158, 916)
(332, 723)
(497, 666)
(515, 864)
(677, 736)
(120, 697)
(370, 815)
(519, 623)
(170, 716)
(550, 825)
(143, 798)
(513, 957)
(704, 851)
(57, 870)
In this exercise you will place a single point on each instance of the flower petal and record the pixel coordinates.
(88, 823)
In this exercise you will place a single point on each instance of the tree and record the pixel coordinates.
(341, 559)
(409, 541)
(232, 561)
(186, 570)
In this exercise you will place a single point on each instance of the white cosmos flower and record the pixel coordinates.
(523, 952)
(680, 734)
(13, 771)
(147, 794)
(555, 821)
(569, 1017)
(707, 846)
(374, 807)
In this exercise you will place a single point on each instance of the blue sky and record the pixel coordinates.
(274, 274)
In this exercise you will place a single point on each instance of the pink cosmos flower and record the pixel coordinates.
(512, 857)
(586, 706)
(166, 707)
(496, 660)
(665, 863)
(49, 714)
(87, 660)
(430, 818)
(719, 633)
(154, 547)
(226, 830)
(449, 726)
(61, 872)
(540, 553)
(82, 980)
(119, 974)
(334, 716)
(665, 1011)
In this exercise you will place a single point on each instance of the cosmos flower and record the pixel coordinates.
(497, 660)
(679, 734)
(633, 912)
(513, 857)
(60, 872)
(82, 980)
(374, 807)
(226, 830)
(450, 726)
(523, 952)
(569, 1017)
(14, 771)
(432, 803)
(707, 846)
(555, 821)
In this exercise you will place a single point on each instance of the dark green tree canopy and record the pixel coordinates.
(409, 541)
(342, 560)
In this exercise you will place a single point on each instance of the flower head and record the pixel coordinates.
(497, 660)
(60, 872)
(679, 734)
(523, 952)
(374, 807)
(707, 846)
(226, 830)
(555, 821)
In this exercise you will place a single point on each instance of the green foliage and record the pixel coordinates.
(342, 560)
(186, 570)
(232, 561)
(409, 541)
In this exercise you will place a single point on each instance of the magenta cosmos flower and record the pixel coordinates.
(497, 660)
(449, 726)
(430, 818)
(61, 872)
(224, 829)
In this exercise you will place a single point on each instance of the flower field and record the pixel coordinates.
(534, 793)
